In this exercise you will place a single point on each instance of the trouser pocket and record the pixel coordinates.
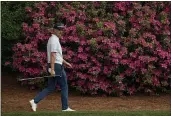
(58, 69)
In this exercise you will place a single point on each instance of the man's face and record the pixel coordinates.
(58, 33)
(61, 32)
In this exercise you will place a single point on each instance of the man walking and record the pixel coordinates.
(56, 69)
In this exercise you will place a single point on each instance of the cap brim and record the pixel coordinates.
(61, 26)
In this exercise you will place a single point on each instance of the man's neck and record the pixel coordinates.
(54, 34)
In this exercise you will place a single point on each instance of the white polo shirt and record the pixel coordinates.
(54, 45)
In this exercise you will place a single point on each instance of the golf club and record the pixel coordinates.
(24, 79)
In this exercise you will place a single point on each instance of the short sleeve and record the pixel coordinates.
(53, 48)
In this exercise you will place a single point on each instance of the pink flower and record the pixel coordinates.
(83, 6)
(131, 90)
(25, 26)
(28, 46)
(82, 56)
(122, 87)
(53, 3)
(44, 4)
(115, 15)
(28, 9)
(132, 19)
(134, 55)
(167, 9)
(41, 13)
(110, 25)
(121, 22)
(94, 70)
(155, 81)
(124, 61)
(33, 60)
(96, 19)
(96, 3)
(133, 32)
(7, 63)
(143, 70)
(132, 65)
(105, 70)
(99, 32)
(157, 72)
(21, 69)
(30, 30)
(163, 54)
(139, 13)
(83, 42)
(120, 6)
(80, 49)
(116, 61)
(71, 53)
(122, 75)
(164, 66)
(128, 72)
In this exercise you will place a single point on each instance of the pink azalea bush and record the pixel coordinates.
(115, 47)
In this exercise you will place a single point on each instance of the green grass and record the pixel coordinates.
(136, 113)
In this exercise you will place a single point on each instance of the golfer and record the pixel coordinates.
(55, 68)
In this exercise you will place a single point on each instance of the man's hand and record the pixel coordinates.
(69, 65)
(52, 72)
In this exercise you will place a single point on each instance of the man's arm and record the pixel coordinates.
(52, 62)
(64, 61)
(68, 64)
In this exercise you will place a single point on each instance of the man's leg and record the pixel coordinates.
(51, 87)
(64, 90)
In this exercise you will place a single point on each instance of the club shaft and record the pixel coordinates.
(23, 79)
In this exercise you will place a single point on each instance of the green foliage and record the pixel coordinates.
(100, 24)
(80, 30)
(93, 45)
(12, 16)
